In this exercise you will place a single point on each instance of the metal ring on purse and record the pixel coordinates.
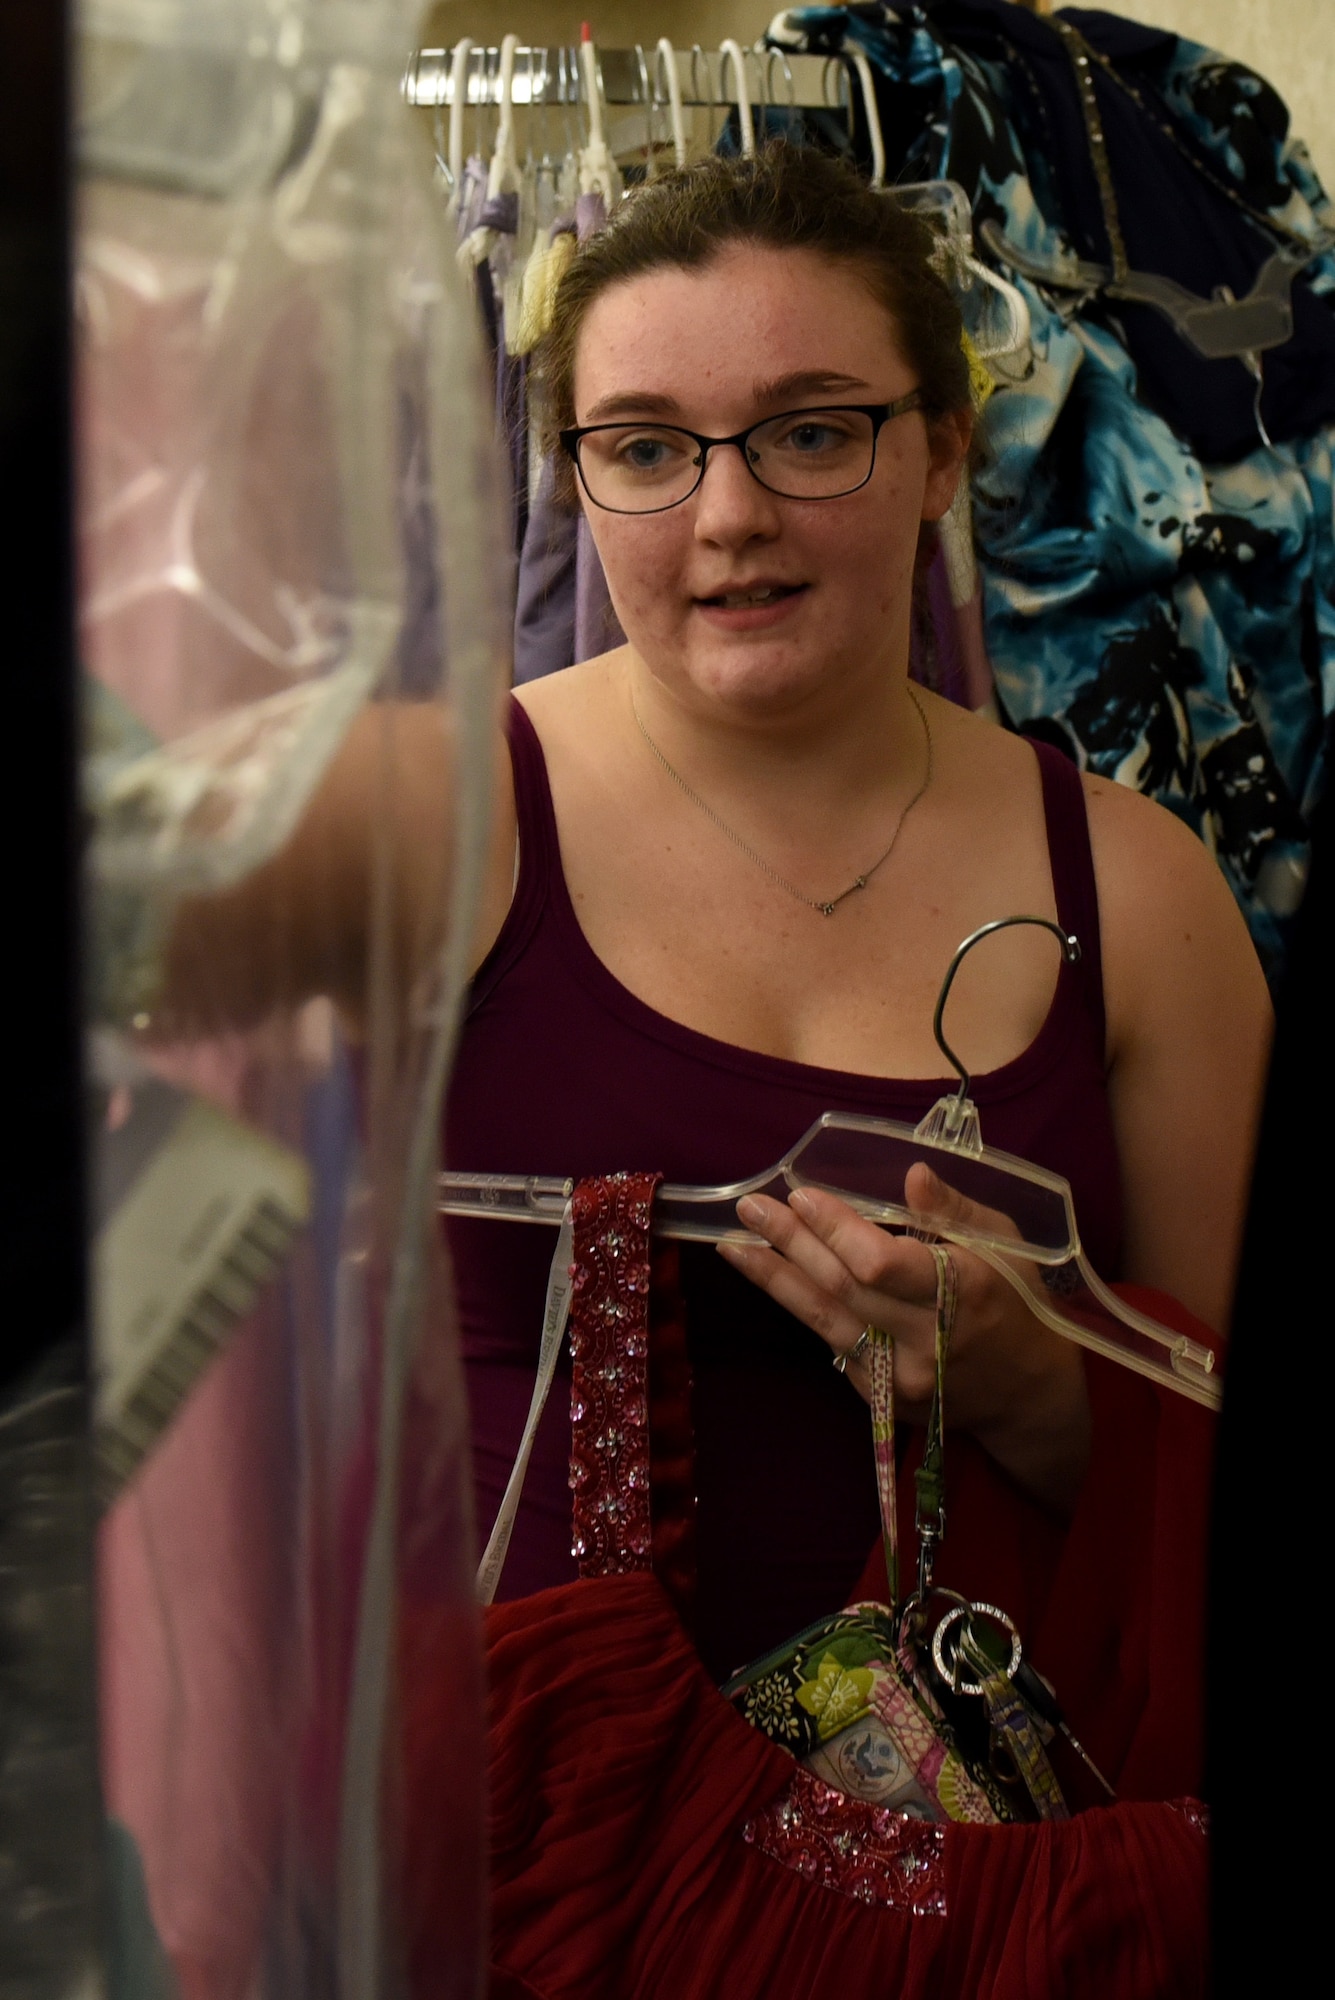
(962, 1616)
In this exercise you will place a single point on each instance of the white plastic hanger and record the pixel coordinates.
(865, 1161)
(463, 49)
(998, 318)
(598, 171)
(872, 113)
(503, 174)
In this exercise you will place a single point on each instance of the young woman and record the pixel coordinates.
(731, 862)
(734, 858)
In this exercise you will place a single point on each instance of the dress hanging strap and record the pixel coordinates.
(609, 1390)
(557, 1311)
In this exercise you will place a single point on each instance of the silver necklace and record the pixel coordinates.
(826, 908)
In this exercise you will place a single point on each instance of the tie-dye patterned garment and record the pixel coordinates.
(1159, 586)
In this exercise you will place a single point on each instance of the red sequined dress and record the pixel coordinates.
(646, 1842)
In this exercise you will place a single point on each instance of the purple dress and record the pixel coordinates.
(561, 1070)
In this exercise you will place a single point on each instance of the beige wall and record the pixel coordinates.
(618, 23)
(1292, 42)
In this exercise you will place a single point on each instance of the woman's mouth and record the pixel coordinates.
(754, 610)
(764, 593)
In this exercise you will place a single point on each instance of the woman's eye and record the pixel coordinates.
(810, 438)
(647, 454)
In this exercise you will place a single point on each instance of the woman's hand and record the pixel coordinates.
(1016, 1385)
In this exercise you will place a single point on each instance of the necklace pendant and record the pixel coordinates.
(826, 909)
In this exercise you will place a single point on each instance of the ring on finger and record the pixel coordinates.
(855, 1352)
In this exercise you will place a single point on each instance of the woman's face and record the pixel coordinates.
(754, 333)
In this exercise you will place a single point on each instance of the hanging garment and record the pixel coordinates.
(646, 1841)
(562, 1070)
(563, 610)
(1159, 587)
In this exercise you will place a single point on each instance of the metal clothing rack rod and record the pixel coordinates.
(635, 76)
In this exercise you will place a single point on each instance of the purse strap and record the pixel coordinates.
(929, 1480)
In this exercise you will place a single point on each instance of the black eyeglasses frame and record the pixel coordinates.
(880, 414)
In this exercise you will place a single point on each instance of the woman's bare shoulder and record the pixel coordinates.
(1176, 950)
(567, 704)
(1146, 857)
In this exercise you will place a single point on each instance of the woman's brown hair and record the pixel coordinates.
(785, 198)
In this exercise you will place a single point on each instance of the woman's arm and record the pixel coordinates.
(1189, 1025)
(373, 855)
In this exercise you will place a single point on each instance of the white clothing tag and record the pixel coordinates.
(557, 1312)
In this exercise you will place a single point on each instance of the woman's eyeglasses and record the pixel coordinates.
(645, 468)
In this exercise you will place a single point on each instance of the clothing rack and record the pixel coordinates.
(706, 78)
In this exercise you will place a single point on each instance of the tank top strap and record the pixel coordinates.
(539, 875)
(1072, 862)
(535, 816)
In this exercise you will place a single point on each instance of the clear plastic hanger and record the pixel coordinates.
(732, 52)
(1031, 1219)
(996, 315)
(665, 70)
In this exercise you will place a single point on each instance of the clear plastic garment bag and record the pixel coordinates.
(287, 527)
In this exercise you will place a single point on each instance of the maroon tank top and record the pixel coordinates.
(561, 1070)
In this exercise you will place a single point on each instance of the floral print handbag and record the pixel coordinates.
(924, 1706)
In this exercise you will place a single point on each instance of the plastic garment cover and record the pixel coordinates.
(287, 523)
(1159, 593)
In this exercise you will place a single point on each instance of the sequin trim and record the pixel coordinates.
(609, 1405)
(856, 1849)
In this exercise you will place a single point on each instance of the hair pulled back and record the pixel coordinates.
(785, 198)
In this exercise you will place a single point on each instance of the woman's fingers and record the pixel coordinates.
(790, 1287)
(843, 1251)
(838, 1273)
(935, 1200)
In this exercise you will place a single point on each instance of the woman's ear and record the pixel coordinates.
(949, 436)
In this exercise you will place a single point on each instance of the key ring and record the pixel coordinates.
(950, 1669)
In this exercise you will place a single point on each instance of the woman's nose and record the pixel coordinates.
(730, 504)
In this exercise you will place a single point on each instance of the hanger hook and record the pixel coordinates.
(1069, 943)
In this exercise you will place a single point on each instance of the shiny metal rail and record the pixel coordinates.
(705, 77)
